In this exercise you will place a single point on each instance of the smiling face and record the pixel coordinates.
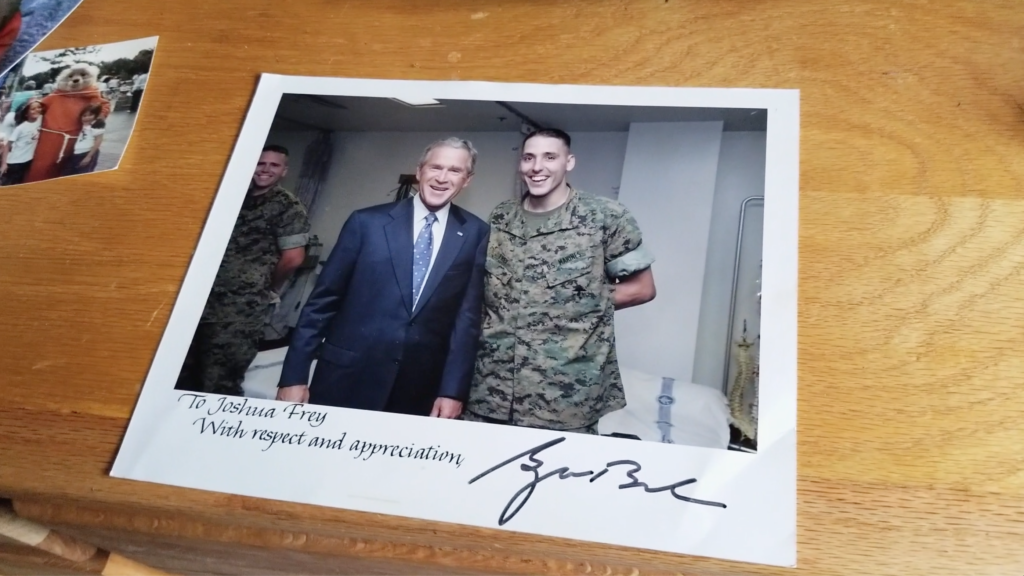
(88, 118)
(442, 175)
(271, 167)
(544, 163)
(34, 111)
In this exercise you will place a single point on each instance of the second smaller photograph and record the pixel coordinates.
(71, 111)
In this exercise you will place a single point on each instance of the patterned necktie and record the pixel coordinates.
(421, 252)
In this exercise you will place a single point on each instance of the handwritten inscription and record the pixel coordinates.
(369, 449)
(232, 407)
(221, 428)
(233, 418)
(242, 407)
(534, 464)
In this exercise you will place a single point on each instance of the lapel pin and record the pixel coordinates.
(459, 233)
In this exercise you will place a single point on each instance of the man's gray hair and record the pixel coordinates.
(453, 142)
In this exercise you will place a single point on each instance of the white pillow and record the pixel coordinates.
(699, 415)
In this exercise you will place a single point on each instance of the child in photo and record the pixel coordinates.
(17, 154)
(87, 146)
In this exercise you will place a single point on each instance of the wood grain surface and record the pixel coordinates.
(911, 441)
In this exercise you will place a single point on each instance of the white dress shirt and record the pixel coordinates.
(419, 218)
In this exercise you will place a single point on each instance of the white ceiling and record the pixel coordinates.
(361, 114)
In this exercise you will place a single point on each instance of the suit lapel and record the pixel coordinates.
(399, 236)
(450, 246)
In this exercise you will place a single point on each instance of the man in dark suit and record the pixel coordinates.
(395, 312)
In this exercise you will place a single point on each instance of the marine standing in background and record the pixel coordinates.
(267, 245)
(559, 263)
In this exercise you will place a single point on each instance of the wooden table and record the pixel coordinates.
(911, 445)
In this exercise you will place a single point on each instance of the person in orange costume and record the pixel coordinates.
(62, 119)
(10, 24)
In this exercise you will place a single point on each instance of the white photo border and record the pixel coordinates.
(759, 523)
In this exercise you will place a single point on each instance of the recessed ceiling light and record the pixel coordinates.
(418, 102)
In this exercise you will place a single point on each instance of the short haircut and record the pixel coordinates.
(550, 133)
(275, 148)
(453, 142)
(30, 85)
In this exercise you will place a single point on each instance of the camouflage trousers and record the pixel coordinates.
(219, 356)
(471, 417)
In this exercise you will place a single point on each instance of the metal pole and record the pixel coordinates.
(735, 285)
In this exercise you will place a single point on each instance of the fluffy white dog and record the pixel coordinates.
(77, 78)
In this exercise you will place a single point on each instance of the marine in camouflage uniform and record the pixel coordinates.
(547, 353)
(228, 336)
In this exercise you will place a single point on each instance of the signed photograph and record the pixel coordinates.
(451, 293)
(71, 111)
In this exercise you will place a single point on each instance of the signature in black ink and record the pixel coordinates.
(522, 496)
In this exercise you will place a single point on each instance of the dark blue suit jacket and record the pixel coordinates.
(360, 314)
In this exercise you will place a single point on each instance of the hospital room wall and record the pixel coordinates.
(366, 166)
(668, 184)
(741, 169)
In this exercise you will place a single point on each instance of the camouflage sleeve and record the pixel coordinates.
(292, 224)
(625, 252)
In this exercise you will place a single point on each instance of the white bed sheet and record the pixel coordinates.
(699, 415)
